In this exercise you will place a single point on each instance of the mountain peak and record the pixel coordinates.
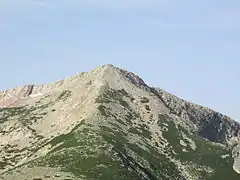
(109, 123)
(107, 73)
(109, 66)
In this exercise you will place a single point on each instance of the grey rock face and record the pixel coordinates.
(210, 124)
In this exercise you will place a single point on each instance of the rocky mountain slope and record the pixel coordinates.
(108, 124)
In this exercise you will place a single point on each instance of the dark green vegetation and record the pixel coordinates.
(7, 113)
(65, 95)
(106, 153)
(112, 95)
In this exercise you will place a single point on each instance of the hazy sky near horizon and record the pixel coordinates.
(189, 48)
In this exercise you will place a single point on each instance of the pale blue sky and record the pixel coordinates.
(189, 48)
